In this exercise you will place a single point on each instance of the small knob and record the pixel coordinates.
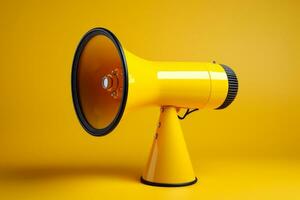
(106, 82)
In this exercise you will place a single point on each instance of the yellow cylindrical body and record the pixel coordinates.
(178, 84)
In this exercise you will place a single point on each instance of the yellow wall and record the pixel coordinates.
(258, 39)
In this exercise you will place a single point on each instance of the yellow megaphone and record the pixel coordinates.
(107, 80)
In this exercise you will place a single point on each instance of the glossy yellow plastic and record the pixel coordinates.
(178, 84)
(169, 162)
(172, 85)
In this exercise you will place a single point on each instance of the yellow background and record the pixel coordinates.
(249, 151)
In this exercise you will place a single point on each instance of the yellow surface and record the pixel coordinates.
(249, 151)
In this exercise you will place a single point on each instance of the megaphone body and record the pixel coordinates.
(178, 84)
(108, 80)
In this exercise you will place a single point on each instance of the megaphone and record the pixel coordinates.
(108, 80)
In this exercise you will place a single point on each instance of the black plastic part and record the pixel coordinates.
(76, 101)
(188, 111)
(168, 184)
(232, 87)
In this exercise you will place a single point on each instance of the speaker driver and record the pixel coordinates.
(99, 81)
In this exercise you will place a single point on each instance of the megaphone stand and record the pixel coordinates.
(169, 163)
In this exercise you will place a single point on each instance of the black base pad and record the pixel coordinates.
(168, 184)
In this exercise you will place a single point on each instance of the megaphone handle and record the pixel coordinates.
(169, 164)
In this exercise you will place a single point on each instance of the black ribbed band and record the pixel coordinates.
(232, 87)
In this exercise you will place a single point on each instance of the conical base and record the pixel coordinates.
(169, 163)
